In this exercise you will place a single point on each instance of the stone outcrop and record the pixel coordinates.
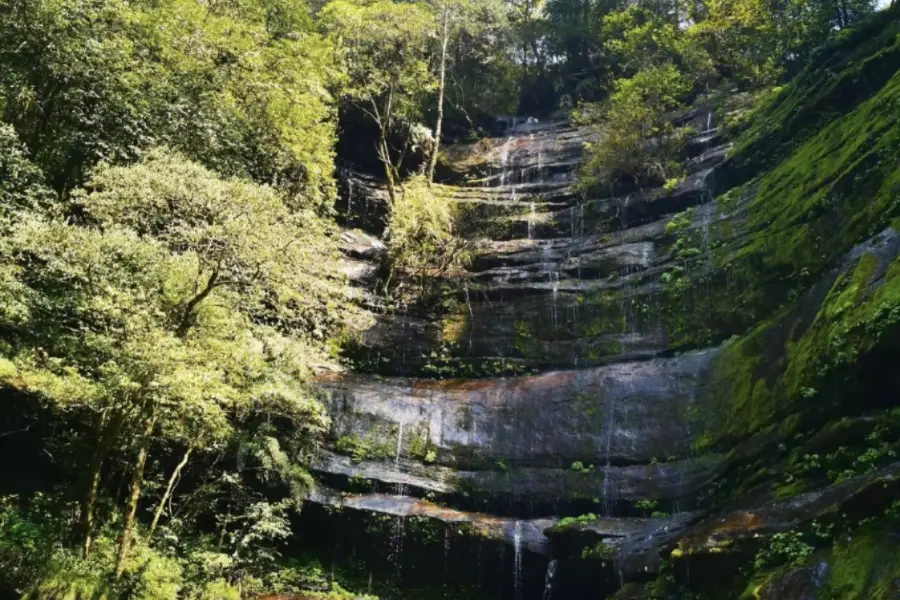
(687, 347)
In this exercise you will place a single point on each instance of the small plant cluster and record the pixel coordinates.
(846, 462)
(579, 467)
(782, 548)
(601, 550)
(359, 449)
(649, 507)
(446, 362)
(585, 519)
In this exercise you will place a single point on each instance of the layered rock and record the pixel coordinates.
(574, 372)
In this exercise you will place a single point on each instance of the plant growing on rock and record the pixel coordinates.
(423, 252)
(782, 548)
(637, 111)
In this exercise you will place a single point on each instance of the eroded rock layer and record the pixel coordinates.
(630, 385)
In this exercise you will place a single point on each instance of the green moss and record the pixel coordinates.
(418, 443)
(864, 565)
(784, 366)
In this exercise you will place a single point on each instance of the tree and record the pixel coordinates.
(146, 312)
(422, 248)
(240, 87)
(638, 141)
(384, 47)
(455, 18)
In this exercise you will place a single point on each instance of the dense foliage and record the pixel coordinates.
(168, 250)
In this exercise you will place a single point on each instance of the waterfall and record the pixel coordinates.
(548, 580)
(504, 160)
(401, 487)
(610, 430)
(517, 561)
(532, 216)
(554, 298)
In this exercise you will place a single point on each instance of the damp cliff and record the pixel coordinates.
(684, 390)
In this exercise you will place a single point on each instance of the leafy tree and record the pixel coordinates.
(242, 88)
(638, 140)
(455, 18)
(637, 39)
(384, 47)
(144, 318)
(422, 248)
(21, 181)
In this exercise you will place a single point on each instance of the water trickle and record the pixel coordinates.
(446, 544)
(532, 217)
(581, 219)
(554, 298)
(396, 550)
(446, 552)
(610, 431)
(399, 445)
(504, 160)
(350, 196)
(517, 560)
(401, 487)
(548, 580)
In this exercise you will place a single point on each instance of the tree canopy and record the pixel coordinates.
(169, 245)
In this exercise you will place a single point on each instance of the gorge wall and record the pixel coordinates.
(631, 395)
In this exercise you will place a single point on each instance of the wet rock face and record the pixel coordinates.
(671, 481)
(620, 413)
(558, 280)
(528, 534)
(796, 584)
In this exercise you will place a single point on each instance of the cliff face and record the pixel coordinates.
(691, 370)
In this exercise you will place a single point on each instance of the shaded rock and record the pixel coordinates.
(724, 533)
(527, 533)
(666, 481)
(795, 584)
(628, 412)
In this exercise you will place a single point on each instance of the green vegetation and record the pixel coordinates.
(422, 251)
(170, 262)
(783, 548)
(574, 522)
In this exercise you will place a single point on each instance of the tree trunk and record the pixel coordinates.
(445, 38)
(169, 488)
(385, 157)
(89, 500)
(137, 478)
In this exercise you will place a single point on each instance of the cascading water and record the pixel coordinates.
(517, 560)
(532, 217)
(548, 580)
(554, 298)
(610, 431)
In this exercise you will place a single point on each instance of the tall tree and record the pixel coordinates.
(455, 18)
(385, 50)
